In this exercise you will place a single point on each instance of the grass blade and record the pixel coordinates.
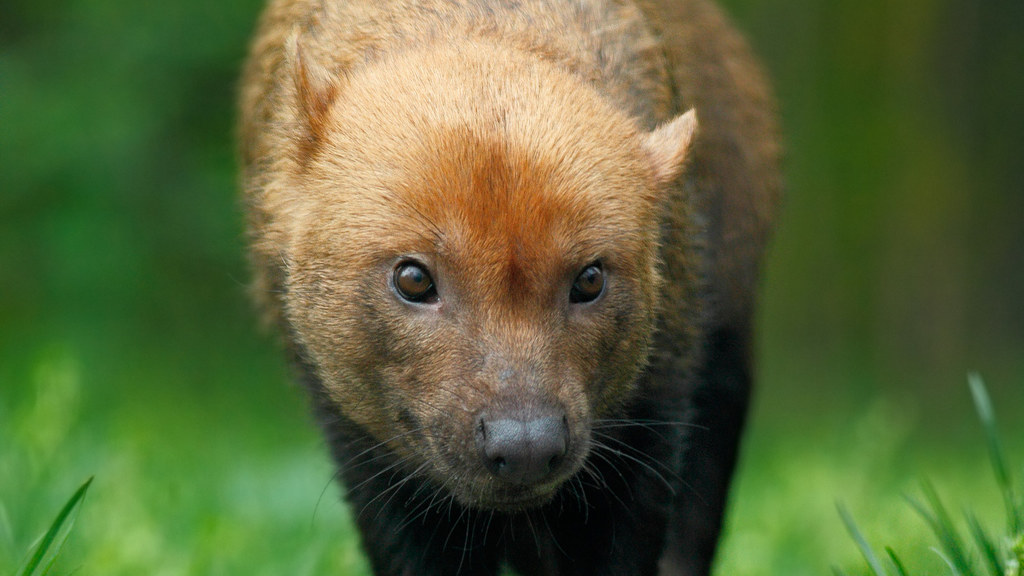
(862, 543)
(51, 534)
(948, 562)
(986, 414)
(989, 553)
(900, 568)
(942, 526)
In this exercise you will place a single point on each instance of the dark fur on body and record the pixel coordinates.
(654, 382)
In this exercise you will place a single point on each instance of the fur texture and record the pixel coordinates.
(505, 150)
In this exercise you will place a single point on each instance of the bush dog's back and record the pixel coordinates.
(512, 247)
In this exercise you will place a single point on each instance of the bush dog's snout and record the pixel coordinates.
(522, 451)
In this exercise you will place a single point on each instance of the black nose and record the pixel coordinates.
(523, 452)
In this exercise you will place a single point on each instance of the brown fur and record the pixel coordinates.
(505, 146)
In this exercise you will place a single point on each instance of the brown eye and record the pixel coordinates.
(588, 285)
(413, 283)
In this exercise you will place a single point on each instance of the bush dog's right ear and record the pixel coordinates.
(314, 85)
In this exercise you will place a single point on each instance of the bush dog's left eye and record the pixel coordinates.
(588, 285)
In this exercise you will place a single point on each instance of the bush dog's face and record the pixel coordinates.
(475, 270)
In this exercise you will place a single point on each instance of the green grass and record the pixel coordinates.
(980, 554)
(178, 488)
(51, 544)
(229, 481)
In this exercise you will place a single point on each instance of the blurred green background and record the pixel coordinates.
(128, 349)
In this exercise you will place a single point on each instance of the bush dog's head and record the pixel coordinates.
(473, 259)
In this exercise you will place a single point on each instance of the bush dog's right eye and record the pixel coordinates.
(413, 283)
(588, 285)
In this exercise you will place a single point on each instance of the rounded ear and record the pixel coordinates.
(668, 144)
(314, 86)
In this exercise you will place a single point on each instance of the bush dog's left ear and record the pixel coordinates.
(668, 144)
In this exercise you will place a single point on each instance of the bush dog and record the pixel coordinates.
(512, 248)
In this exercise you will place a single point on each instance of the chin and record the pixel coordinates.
(513, 501)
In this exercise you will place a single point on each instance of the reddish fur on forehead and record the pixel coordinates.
(502, 215)
(513, 222)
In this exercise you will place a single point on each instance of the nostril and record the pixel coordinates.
(555, 461)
